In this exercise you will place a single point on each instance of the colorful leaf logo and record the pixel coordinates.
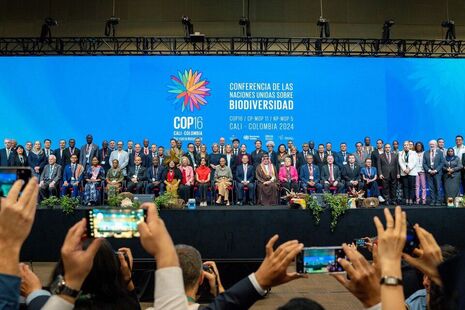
(190, 90)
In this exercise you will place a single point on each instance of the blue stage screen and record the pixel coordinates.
(271, 98)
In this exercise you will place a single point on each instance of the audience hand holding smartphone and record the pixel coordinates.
(156, 240)
(16, 219)
(77, 262)
(429, 255)
(273, 270)
(364, 277)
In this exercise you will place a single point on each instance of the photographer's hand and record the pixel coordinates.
(212, 265)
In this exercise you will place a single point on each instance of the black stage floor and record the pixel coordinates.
(239, 233)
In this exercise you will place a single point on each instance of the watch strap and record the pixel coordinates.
(391, 281)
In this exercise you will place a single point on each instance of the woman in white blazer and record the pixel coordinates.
(408, 172)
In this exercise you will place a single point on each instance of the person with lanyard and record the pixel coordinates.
(309, 176)
(202, 177)
(72, 177)
(267, 187)
(114, 179)
(451, 169)
(94, 176)
(288, 176)
(154, 173)
(187, 179)
(19, 157)
(369, 176)
(50, 178)
(223, 179)
(172, 177)
(407, 164)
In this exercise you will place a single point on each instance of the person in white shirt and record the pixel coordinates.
(407, 163)
(122, 157)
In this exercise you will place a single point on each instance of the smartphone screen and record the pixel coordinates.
(320, 260)
(8, 176)
(114, 223)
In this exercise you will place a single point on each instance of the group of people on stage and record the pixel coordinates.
(387, 171)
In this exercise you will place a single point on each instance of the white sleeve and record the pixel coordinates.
(169, 289)
(57, 303)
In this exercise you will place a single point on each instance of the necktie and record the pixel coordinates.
(51, 172)
(389, 157)
(21, 159)
(331, 175)
(245, 172)
(311, 170)
(137, 170)
(369, 173)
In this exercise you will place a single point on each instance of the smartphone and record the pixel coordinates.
(114, 223)
(412, 242)
(362, 242)
(8, 176)
(320, 260)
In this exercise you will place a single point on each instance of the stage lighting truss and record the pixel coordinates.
(232, 46)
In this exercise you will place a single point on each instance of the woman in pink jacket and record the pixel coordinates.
(288, 176)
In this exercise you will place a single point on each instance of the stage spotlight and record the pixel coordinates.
(46, 32)
(323, 24)
(387, 29)
(450, 25)
(188, 26)
(110, 26)
(244, 22)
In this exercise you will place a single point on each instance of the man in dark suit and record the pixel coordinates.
(104, 156)
(331, 176)
(152, 153)
(193, 157)
(388, 171)
(235, 145)
(351, 174)
(6, 154)
(154, 173)
(320, 158)
(48, 148)
(433, 162)
(137, 175)
(70, 151)
(137, 152)
(295, 158)
(50, 178)
(309, 176)
(302, 155)
(88, 151)
(341, 157)
(244, 177)
(377, 152)
(257, 153)
(60, 154)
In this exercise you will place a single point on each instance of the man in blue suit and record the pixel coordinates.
(433, 161)
(154, 173)
(309, 176)
(72, 177)
(244, 177)
(342, 157)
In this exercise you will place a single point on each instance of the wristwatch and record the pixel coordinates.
(59, 287)
(391, 281)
